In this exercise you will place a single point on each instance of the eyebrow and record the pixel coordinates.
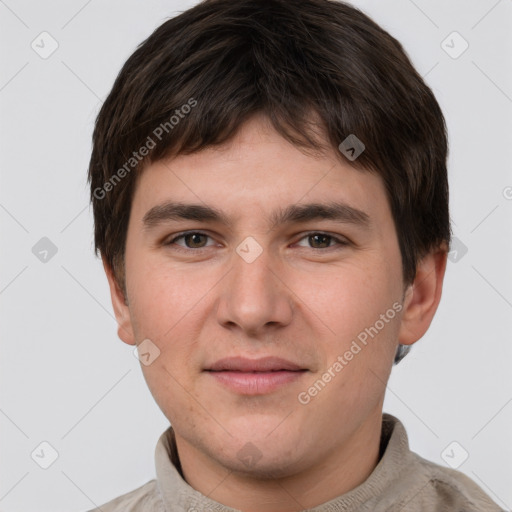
(335, 211)
(294, 213)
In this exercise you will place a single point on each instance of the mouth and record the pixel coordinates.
(255, 376)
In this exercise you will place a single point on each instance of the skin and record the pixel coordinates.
(301, 299)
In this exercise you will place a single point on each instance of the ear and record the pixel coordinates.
(422, 296)
(121, 310)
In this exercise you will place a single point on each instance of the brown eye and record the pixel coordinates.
(194, 240)
(322, 241)
(190, 240)
(319, 241)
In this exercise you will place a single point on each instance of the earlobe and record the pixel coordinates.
(423, 296)
(121, 309)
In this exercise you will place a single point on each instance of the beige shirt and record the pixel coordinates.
(401, 481)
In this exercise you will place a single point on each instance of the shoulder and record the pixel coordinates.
(411, 483)
(145, 497)
(449, 489)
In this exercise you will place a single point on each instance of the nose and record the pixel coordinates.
(254, 297)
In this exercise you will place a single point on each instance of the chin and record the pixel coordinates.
(260, 455)
(266, 464)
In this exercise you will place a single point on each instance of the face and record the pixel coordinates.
(273, 308)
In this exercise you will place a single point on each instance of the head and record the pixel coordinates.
(235, 121)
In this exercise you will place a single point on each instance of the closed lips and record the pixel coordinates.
(265, 364)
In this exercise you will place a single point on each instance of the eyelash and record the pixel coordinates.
(340, 242)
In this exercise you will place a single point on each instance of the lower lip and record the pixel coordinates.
(257, 383)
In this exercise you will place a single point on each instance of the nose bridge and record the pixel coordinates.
(253, 296)
(252, 268)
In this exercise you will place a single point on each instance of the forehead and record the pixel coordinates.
(253, 173)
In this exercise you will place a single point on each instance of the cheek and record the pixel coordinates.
(354, 308)
(161, 298)
(165, 307)
(347, 299)
(164, 316)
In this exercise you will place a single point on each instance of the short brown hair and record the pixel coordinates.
(306, 64)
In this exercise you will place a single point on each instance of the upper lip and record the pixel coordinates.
(264, 364)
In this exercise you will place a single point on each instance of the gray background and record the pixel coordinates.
(65, 377)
